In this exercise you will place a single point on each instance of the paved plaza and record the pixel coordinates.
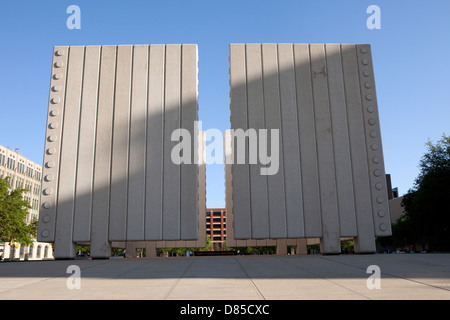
(311, 277)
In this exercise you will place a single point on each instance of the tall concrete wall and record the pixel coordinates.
(331, 178)
(108, 174)
(281, 243)
(152, 246)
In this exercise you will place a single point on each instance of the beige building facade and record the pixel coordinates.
(24, 173)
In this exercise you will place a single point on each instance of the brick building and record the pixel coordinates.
(216, 226)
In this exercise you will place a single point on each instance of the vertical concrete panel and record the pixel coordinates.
(155, 133)
(189, 171)
(240, 172)
(231, 241)
(201, 220)
(171, 188)
(330, 242)
(121, 138)
(52, 150)
(64, 246)
(86, 146)
(291, 152)
(100, 245)
(364, 242)
(342, 159)
(255, 105)
(272, 111)
(380, 203)
(138, 135)
(307, 141)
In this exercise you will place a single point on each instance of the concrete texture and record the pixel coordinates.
(331, 178)
(282, 243)
(403, 276)
(108, 173)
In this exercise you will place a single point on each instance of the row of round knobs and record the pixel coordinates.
(52, 125)
(369, 96)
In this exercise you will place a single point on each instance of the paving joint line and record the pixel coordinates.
(179, 279)
(251, 280)
(329, 280)
(60, 275)
(391, 275)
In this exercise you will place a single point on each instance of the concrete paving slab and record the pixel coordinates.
(311, 277)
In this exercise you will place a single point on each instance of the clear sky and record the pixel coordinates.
(410, 55)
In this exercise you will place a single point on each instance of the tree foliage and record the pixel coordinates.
(427, 207)
(13, 211)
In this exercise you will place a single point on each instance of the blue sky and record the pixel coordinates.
(410, 55)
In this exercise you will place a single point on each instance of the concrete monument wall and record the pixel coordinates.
(331, 179)
(153, 246)
(108, 174)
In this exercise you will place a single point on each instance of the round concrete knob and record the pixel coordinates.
(45, 233)
(52, 138)
(56, 100)
(50, 164)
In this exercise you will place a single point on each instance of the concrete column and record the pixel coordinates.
(301, 247)
(150, 249)
(64, 245)
(130, 248)
(50, 170)
(281, 247)
(100, 245)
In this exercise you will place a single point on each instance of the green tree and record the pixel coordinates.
(427, 207)
(13, 211)
(208, 244)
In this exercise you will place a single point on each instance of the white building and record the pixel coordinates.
(24, 173)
